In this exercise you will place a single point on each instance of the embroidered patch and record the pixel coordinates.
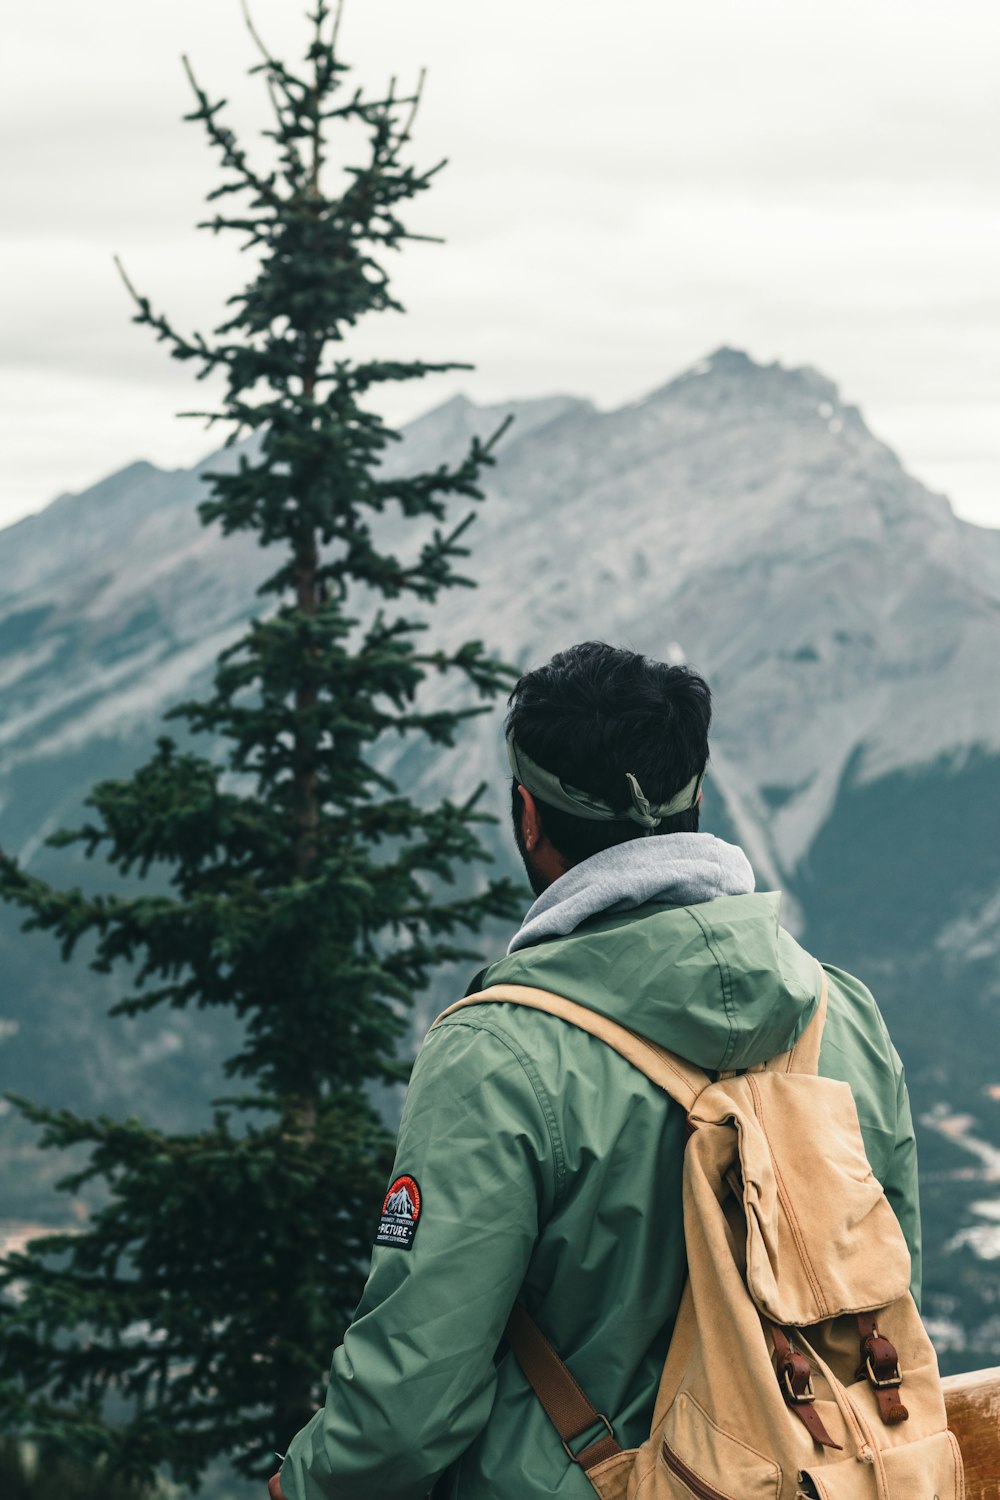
(400, 1214)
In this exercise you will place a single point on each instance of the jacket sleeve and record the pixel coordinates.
(901, 1183)
(413, 1383)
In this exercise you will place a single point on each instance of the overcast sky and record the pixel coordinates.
(630, 185)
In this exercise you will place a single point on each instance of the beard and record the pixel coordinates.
(536, 879)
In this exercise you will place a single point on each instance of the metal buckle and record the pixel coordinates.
(573, 1457)
(807, 1395)
(883, 1385)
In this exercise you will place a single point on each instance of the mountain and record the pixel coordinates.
(742, 518)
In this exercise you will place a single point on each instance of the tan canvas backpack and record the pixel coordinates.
(799, 1366)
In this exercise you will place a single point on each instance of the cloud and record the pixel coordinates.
(626, 191)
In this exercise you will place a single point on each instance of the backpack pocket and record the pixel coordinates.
(697, 1458)
(929, 1469)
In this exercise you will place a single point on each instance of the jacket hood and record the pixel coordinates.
(718, 981)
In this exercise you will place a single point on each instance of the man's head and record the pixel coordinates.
(629, 733)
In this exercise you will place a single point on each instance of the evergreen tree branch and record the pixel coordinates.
(232, 154)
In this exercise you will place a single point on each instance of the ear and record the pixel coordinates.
(531, 826)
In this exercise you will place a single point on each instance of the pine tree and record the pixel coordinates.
(195, 1314)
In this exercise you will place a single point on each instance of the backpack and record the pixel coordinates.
(798, 1368)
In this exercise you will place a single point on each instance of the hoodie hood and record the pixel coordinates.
(676, 868)
(717, 981)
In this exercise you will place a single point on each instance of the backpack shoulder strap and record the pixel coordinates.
(804, 1054)
(565, 1404)
(680, 1079)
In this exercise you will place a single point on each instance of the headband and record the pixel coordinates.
(571, 799)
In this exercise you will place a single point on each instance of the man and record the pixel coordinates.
(534, 1163)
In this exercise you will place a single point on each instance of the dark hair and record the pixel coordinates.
(594, 713)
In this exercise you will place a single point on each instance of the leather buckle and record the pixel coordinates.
(574, 1458)
(799, 1397)
(889, 1382)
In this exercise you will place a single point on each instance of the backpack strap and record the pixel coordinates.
(804, 1054)
(680, 1079)
(564, 1402)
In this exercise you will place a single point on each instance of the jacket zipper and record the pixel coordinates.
(695, 1485)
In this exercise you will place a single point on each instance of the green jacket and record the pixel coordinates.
(549, 1169)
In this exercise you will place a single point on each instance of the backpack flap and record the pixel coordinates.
(821, 1238)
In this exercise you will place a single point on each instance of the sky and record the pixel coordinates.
(629, 186)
